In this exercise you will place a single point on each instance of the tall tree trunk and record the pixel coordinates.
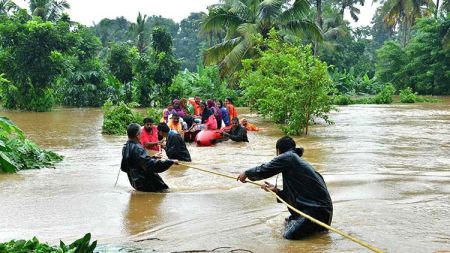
(437, 9)
(319, 22)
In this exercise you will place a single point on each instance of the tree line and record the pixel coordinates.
(47, 59)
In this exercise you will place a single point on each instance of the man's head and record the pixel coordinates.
(148, 124)
(163, 129)
(134, 132)
(197, 100)
(244, 122)
(285, 144)
(235, 122)
(175, 118)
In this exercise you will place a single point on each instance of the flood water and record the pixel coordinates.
(387, 168)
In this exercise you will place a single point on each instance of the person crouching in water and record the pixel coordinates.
(237, 133)
(303, 188)
(142, 169)
(175, 146)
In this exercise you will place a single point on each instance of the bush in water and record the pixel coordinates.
(407, 96)
(18, 153)
(82, 245)
(116, 118)
(288, 84)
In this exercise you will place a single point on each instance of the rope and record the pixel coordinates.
(356, 240)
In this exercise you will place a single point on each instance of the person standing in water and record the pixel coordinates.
(175, 146)
(142, 170)
(303, 188)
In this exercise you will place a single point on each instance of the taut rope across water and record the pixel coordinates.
(358, 241)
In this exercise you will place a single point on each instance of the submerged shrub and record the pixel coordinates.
(18, 153)
(116, 118)
(342, 100)
(408, 96)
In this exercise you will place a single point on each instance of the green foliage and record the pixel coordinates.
(116, 118)
(82, 245)
(32, 56)
(347, 82)
(188, 41)
(205, 83)
(385, 96)
(84, 84)
(408, 96)
(422, 64)
(154, 113)
(288, 84)
(120, 63)
(342, 100)
(244, 21)
(18, 153)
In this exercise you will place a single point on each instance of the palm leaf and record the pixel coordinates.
(218, 52)
(234, 58)
(270, 9)
(220, 19)
(305, 28)
(298, 11)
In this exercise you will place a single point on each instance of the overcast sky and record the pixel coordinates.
(89, 11)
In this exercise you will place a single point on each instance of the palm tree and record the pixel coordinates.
(138, 29)
(350, 5)
(244, 19)
(49, 10)
(6, 6)
(404, 13)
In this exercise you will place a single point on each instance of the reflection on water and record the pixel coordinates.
(387, 168)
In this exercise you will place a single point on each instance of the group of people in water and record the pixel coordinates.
(303, 187)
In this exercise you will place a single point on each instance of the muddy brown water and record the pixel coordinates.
(387, 168)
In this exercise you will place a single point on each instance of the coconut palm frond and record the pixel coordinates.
(220, 19)
(234, 58)
(247, 30)
(305, 28)
(354, 12)
(270, 9)
(297, 11)
(218, 52)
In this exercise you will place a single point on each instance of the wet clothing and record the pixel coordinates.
(251, 127)
(176, 148)
(150, 137)
(225, 116)
(303, 188)
(142, 169)
(238, 134)
(231, 112)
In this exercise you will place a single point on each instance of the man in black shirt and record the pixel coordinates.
(142, 169)
(303, 188)
(237, 132)
(175, 146)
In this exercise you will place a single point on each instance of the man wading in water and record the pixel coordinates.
(303, 188)
(142, 169)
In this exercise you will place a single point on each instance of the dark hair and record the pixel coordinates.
(229, 99)
(162, 127)
(221, 103)
(133, 130)
(286, 143)
(148, 120)
(175, 115)
(235, 119)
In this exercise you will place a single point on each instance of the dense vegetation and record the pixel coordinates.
(50, 60)
(82, 245)
(18, 153)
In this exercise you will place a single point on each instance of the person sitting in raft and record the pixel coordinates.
(248, 126)
(166, 112)
(216, 112)
(225, 116)
(237, 132)
(149, 136)
(303, 188)
(175, 146)
(208, 120)
(231, 110)
(175, 124)
(142, 169)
